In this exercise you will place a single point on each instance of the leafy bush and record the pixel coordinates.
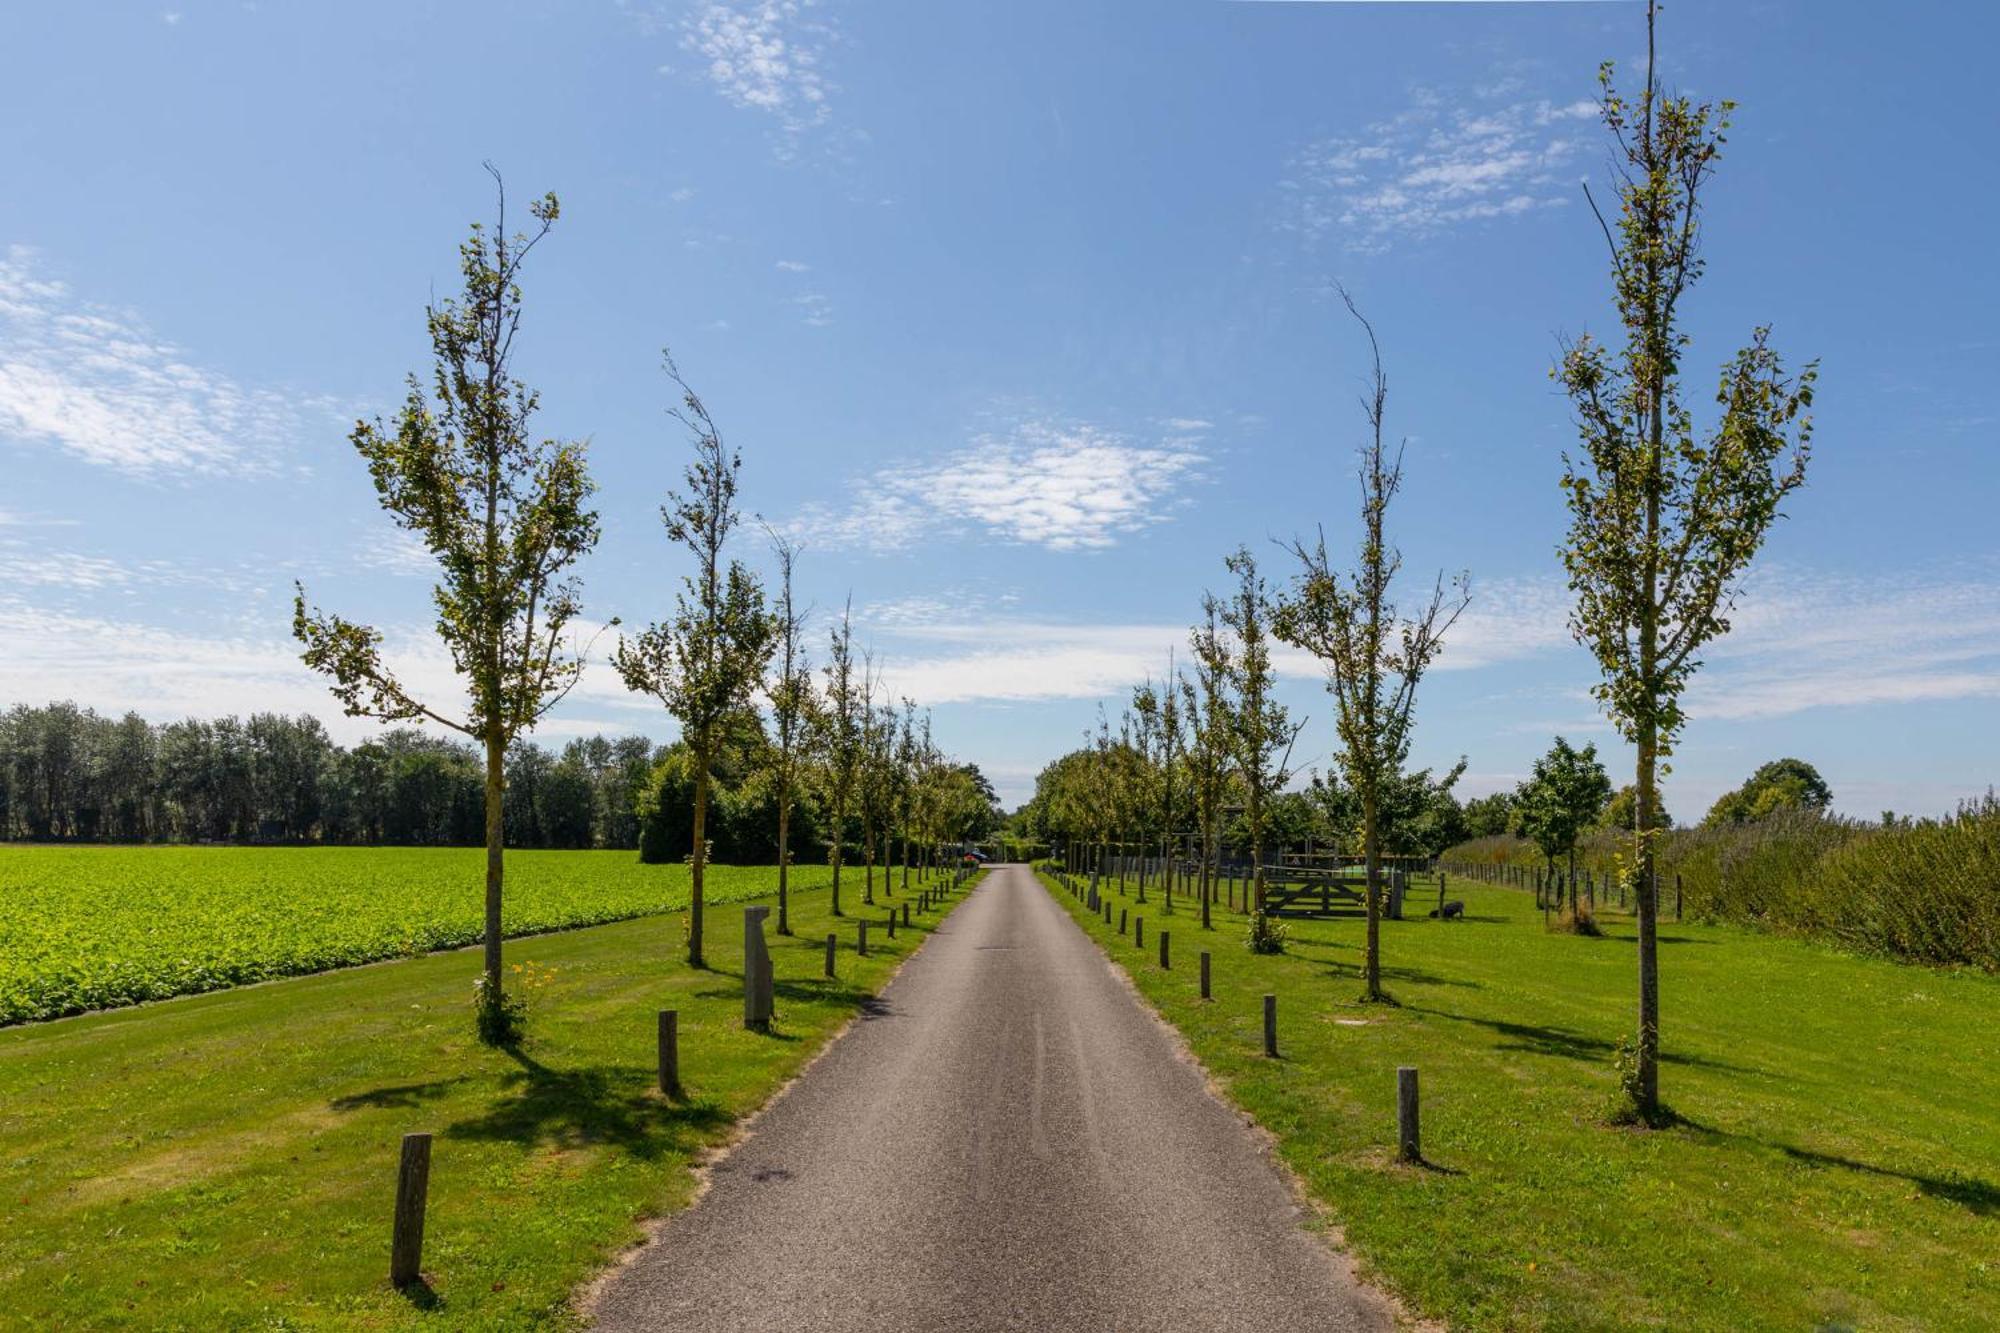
(1925, 891)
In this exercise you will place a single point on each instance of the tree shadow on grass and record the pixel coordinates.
(615, 1105)
(1569, 1044)
(1979, 1197)
(1346, 971)
(399, 1095)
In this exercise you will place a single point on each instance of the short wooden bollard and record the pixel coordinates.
(861, 938)
(1163, 950)
(1271, 1026)
(892, 923)
(1204, 974)
(831, 943)
(1138, 932)
(1121, 921)
(413, 1183)
(1409, 1148)
(757, 974)
(906, 914)
(670, 1052)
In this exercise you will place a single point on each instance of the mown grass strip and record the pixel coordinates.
(229, 1160)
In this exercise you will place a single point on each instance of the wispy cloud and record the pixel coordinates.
(1063, 487)
(94, 381)
(792, 266)
(765, 55)
(1436, 165)
(815, 309)
(1800, 642)
(114, 662)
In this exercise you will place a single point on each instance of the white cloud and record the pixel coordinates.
(113, 664)
(1800, 642)
(96, 382)
(817, 310)
(767, 55)
(397, 552)
(1060, 487)
(1804, 641)
(1432, 167)
(793, 266)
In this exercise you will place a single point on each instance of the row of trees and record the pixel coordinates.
(1237, 760)
(1665, 518)
(68, 773)
(506, 516)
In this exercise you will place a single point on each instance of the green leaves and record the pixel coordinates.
(707, 661)
(505, 515)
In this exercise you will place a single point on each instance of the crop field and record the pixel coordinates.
(94, 927)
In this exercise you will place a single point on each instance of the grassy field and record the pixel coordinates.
(1838, 1166)
(91, 927)
(229, 1160)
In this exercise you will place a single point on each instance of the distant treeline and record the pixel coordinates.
(70, 774)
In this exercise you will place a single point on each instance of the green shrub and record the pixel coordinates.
(1925, 891)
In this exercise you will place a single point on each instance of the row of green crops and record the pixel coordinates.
(1924, 891)
(93, 927)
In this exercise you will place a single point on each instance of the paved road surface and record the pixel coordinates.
(1009, 1142)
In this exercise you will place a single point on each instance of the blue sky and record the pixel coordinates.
(1019, 315)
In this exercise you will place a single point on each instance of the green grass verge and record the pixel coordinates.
(229, 1160)
(1838, 1165)
(89, 927)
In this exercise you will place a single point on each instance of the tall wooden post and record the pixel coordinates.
(413, 1183)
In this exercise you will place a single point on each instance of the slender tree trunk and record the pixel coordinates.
(837, 822)
(1371, 850)
(496, 790)
(784, 858)
(1207, 878)
(698, 862)
(868, 867)
(1647, 1094)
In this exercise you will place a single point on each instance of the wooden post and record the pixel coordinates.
(670, 1052)
(1204, 974)
(1121, 921)
(831, 942)
(757, 978)
(1163, 951)
(1409, 1148)
(1677, 895)
(1271, 1026)
(413, 1183)
(892, 923)
(861, 938)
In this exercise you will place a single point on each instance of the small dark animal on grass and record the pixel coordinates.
(1449, 910)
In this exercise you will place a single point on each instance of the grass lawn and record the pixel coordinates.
(1838, 1166)
(89, 927)
(229, 1160)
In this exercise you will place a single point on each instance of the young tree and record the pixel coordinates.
(1373, 656)
(1212, 723)
(1263, 735)
(875, 780)
(1560, 800)
(706, 662)
(1664, 521)
(504, 515)
(793, 708)
(840, 740)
